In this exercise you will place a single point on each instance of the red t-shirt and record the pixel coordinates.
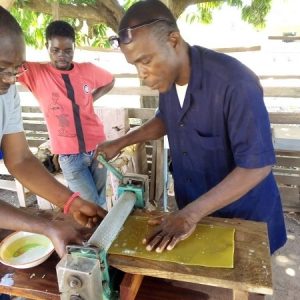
(65, 97)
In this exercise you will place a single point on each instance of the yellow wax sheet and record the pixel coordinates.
(208, 246)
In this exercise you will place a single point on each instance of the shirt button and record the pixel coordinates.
(184, 153)
(188, 180)
(181, 124)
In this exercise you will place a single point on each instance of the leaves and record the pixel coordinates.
(255, 13)
(92, 29)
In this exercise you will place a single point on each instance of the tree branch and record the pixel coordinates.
(108, 12)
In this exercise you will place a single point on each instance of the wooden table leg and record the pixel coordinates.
(240, 295)
(130, 286)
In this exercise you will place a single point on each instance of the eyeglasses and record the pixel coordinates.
(125, 35)
(19, 72)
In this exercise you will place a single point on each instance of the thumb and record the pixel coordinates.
(80, 218)
(60, 248)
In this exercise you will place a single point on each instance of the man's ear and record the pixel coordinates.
(46, 45)
(174, 38)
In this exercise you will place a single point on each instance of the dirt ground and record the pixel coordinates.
(285, 262)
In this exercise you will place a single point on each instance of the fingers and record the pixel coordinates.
(164, 244)
(61, 250)
(173, 242)
(101, 212)
(80, 218)
(163, 239)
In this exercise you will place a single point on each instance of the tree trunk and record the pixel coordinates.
(7, 4)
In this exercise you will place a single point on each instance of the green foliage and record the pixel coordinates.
(128, 3)
(203, 14)
(255, 13)
(34, 23)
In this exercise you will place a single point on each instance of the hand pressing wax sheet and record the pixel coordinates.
(208, 246)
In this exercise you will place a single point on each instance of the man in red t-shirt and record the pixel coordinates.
(66, 91)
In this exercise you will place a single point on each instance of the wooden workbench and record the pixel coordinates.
(251, 274)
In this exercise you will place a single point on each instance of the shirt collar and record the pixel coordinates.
(196, 58)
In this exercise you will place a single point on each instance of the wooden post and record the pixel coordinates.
(166, 2)
(240, 295)
(130, 286)
(55, 10)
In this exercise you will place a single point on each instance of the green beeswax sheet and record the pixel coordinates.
(209, 245)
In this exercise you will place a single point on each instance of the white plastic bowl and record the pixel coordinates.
(23, 250)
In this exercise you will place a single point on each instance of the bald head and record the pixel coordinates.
(12, 50)
(8, 24)
(11, 34)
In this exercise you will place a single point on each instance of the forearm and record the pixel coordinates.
(32, 174)
(234, 186)
(13, 218)
(102, 90)
(151, 130)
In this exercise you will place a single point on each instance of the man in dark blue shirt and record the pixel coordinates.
(211, 108)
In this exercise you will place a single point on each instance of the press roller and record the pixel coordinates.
(84, 273)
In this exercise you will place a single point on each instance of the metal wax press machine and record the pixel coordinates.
(83, 273)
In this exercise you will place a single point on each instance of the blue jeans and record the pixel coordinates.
(83, 175)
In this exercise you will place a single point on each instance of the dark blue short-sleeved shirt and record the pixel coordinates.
(223, 124)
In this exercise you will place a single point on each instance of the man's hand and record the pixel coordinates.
(108, 149)
(170, 230)
(86, 213)
(64, 232)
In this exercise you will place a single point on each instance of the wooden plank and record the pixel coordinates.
(35, 142)
(287, 171)
(290, 197)
(240, 295)
(287, 161)
(7, 185)
(276, 76)
(153, 171)
(252, 269)
(159, 180)
(288, 153)
(285, 179)
(133, 90)
(288, 38)
(160, 289)
(37, 134)
(31, 109)
(130, 286)
(284, 118)
(35, 126)
(286, 144)
(141, 113)
(291, 92)
(238, 49)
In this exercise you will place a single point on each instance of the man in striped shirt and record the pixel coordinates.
(66, 91)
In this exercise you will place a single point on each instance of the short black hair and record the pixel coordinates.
(8, 23)
(60, 28)
(147, 10)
